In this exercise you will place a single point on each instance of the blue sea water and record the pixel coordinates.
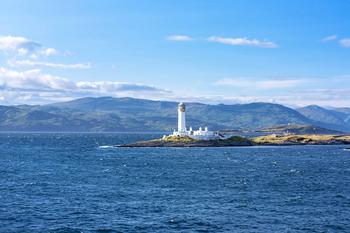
(79, 183)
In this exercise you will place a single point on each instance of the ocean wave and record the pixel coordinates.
(107, 147)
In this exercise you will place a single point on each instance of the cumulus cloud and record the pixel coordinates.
(260, 84)
(78, 66)
(243, 42)
(32, 52)
(49, 52)
(110, 87)
(33, 80)
(34, 86)
(179, 38)
(18, 45)
(329, 38)
(23, 46)
(345, 42)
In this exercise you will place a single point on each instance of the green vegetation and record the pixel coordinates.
(108, 114)
(301, 139)
(184, 139)
(238, 139)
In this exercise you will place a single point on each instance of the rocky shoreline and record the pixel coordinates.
(269, 140)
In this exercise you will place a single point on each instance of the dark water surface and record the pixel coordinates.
(69, 183)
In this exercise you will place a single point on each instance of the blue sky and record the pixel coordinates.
(290, 52)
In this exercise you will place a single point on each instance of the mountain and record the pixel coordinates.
(240, 116)
(343, 110)
(337, 118)
(107, 114)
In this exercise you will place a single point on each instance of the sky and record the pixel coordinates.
(295, 53)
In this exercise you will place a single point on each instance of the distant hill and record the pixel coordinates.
(343, 110)
(162, 115)
(300, 130)
(337, 118)
(107, 114)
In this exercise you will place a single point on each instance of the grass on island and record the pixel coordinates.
(264, 140)
(304, 139)
(184, 139)
(238, 139)
(273, 139)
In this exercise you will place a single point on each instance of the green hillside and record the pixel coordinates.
(107, 114)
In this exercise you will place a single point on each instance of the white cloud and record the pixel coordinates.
(111, 87)
(321, 97)
(49, 52)
(179, 38)
(34, 86)
(243, 42)
(345, 42)
(22, 52)
(329, 38)
(259, 84)
(17, 63)
(32, 80)
(337, 97)
(19, 45)
(16, 45)
(32, 52)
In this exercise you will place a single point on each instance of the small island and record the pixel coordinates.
(269, 140)
(185, 141)
(205, 138)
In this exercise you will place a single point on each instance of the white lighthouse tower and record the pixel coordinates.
(181, 122)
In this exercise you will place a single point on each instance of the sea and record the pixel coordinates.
(81, 182)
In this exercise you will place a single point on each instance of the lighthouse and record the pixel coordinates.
(181, 123)
(195, 134)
